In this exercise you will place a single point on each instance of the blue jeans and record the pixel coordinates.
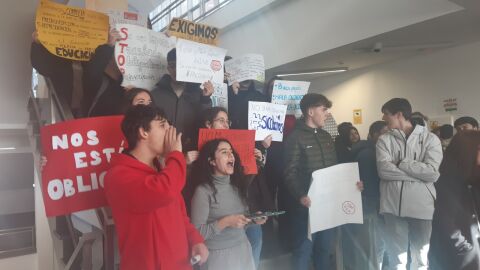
(320, 248)
(254, 234)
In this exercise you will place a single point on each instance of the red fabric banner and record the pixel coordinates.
(78, 154)
(243, 141)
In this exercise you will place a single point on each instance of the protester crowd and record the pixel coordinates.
(175, 205)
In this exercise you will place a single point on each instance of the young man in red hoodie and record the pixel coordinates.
(154, 232)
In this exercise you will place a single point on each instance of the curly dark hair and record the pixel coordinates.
(202, 170)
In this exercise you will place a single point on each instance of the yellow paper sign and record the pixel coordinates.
(357, 117)
(201, 33)
(70, 32)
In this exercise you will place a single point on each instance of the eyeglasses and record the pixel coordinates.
(223, 121)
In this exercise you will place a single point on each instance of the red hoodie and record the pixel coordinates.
(154, 232)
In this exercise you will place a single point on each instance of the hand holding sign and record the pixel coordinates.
(113, 37)
(207, 89)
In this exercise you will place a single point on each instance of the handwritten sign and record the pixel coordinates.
(290, 93)
(266, 118)
(335, 197)
(193, 31)
(198, 63)
(243, 141)
(220, 95)
(247, 67)
(78, 154)
(70, 32)
(141, 55)
(124, 17)
(450, 104)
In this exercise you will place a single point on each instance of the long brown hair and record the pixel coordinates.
(202, 170)
(462, 152)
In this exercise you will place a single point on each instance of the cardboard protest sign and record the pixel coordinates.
(247, 67)
(193, 31)
(243, 141)
(290, 93)
(70, 32)
(267, 119)
(220, 95)
(198, 63)
(141, 55)
(78, 154)
(125, 17)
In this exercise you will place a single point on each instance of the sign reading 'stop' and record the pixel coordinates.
(193, 31)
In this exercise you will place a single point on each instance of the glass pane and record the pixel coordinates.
(184, 6)
(196, 13)
(195, 2)
(209, 5)
(165, 4)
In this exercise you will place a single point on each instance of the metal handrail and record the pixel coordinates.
(61, 106)
(17, 229)
(59, 102)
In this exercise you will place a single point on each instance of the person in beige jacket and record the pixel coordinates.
(408, 158)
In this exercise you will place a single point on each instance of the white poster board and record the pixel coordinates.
(220, 95)
(247, 67)
(141, 55)
(198, 63)
(335, 197)
(290, 93)
(125, 17)
(267, 119)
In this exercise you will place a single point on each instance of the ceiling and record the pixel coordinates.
(449, 30)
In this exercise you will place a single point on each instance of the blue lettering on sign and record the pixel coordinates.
(269, 123)
(280, 86)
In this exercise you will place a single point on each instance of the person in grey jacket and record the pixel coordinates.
(182, 102)
(219, 207)
(408, 158)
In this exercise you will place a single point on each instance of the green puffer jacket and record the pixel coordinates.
(306, 150)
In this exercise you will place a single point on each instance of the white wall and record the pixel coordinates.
(16, 27)
(425, 80)
(293, 29)
(26, 262)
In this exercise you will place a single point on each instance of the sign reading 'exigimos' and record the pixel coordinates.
(193, 31)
